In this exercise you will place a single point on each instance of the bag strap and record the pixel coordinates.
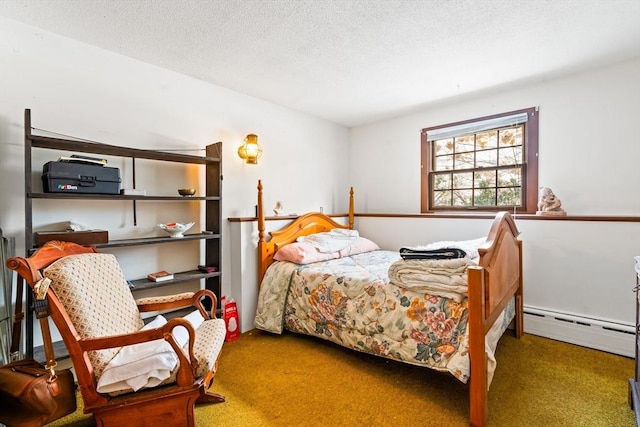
(41, 308)
(17, 321)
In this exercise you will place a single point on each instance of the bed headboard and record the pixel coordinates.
(313, 222)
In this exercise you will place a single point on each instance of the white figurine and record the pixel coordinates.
(279, 208)
(549, 204)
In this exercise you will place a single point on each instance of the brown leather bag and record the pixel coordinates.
(32, 394)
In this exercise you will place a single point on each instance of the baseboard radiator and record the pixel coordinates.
(599, 334)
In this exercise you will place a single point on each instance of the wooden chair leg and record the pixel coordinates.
(210, 397)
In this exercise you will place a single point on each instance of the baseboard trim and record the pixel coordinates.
(599, 334)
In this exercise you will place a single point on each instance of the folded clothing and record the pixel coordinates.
(443, 253)
(470, 247)
(146, 364)
(445, 277)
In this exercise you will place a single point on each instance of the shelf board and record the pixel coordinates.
(144, 284)
(153, 240)
(115, 197)
(114, 150)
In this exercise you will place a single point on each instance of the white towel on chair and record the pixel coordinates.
(146, 364)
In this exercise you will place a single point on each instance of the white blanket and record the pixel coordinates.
(331, 241)
(146, 364)
(442, 277)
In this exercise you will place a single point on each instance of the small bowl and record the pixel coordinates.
(187, 191)
(175, 229)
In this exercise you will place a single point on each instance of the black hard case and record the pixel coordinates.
(75, 177)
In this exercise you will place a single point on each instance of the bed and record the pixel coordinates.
(357, 298)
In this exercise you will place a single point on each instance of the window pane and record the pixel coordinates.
(464, 144)
(442, 182)
(510, 156)
(511, 136)
(442, 198)
(463, 180)
(444, 163)
(462, 197)
(485, 179)
(509, 196)
(510, 177)
(484, 197)
(443, 146)
(486, 140)
(464, 161)
(487, 159)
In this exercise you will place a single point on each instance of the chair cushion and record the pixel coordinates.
(91, 287)
(208, 344)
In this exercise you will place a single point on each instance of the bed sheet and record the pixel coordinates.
(350, 301)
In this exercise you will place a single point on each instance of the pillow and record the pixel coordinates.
(361, 245)
(306, 253)
(303, 253)
(331, 241)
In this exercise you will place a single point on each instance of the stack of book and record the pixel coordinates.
(160, 276)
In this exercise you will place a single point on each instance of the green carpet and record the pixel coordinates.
(293, 380)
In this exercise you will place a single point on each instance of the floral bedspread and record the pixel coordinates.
(351, 302)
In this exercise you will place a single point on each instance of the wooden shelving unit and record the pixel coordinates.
(212, 162)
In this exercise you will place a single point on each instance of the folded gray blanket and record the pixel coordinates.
(442, 253)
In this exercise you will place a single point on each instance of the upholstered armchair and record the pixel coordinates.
(127, 373)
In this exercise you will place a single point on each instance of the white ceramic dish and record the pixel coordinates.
(176, 229)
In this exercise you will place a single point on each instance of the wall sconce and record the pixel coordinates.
(250, 151)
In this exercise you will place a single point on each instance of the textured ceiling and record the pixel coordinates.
(351, 61)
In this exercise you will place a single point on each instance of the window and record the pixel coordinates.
(489, 163)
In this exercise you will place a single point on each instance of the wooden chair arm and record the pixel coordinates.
(203, 295)
(165, 302)
(183, 300)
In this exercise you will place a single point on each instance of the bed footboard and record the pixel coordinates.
(492, 284)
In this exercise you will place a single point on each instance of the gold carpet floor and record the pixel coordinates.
(293, 380)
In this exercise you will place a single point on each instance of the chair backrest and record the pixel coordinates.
(94, 293)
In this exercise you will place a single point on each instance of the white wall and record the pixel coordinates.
(79, 90)
(589, 151)
(589, 156)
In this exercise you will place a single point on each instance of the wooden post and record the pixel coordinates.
(351, 224)
(477, 356)
(261, 228)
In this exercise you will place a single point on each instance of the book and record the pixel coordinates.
(207, 268)
(160, 276)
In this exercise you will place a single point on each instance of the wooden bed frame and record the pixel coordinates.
(495, 281)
